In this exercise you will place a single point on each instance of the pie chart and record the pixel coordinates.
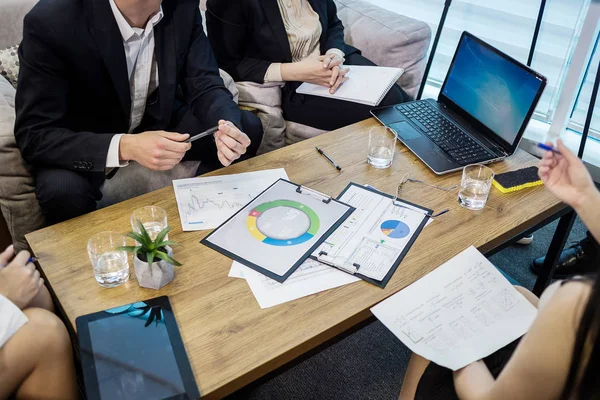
(395, 229)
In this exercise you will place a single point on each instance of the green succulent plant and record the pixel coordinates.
(148, 249)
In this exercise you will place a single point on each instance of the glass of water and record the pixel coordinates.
(153, 218)
(475, 186)
(382, 144)
(111, 266)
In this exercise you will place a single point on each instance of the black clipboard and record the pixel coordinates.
(427, 214)
(281, 278)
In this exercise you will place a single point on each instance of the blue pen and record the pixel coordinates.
(31, 260)
(548, 148)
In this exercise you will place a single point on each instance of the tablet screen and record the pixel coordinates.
(132, 353)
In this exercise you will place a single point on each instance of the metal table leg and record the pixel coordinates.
(556, 247)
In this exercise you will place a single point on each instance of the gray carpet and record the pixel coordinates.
(370, 363)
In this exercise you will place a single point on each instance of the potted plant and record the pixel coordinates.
(152, 259)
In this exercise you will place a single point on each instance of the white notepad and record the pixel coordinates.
(367, 85)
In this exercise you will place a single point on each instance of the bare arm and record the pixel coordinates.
(538, 368)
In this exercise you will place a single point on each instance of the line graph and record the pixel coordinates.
(205, 203)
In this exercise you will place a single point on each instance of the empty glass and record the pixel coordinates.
(475, 186)
(111, 266)
(153, 218)
(382, 144)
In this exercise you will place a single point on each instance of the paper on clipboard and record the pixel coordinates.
(374, 236)
(279, 229)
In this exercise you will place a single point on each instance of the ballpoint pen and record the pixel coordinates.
(547, 148)
(31, 260)
(321, 152)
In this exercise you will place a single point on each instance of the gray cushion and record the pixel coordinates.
(388, 39)
(18, 203)
(11, 20)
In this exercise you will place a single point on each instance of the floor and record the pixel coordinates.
(370, 363)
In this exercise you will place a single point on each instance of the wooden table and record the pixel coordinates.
(229, 339)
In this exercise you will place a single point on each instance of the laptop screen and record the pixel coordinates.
(495, 90)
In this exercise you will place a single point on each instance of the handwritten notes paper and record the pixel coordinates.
(459, 313)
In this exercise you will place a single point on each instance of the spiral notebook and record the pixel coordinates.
(367, 85)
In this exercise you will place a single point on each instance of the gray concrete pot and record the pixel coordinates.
(155, 276)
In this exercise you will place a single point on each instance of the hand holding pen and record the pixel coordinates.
(20, 282)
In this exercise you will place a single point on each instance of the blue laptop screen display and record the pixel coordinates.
(492, 89)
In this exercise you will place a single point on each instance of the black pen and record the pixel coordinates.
(201, 135)
(321, 152)
(440, 213)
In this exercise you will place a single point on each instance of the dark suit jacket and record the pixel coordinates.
(248, 35)
(73, 92)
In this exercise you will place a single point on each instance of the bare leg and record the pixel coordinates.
(42, 300)
(414, 372)
(37, 363)
(533, 299)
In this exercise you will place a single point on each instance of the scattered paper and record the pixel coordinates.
(205, 203)
(310, 278)
(459, 313)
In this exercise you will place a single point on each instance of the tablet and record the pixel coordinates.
(135, 352)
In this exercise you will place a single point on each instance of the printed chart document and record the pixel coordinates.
(459, 313)
(205, 203)
(279, 229)
(367, 85)
(310, 278)
(375, 236)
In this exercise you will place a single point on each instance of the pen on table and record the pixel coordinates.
(321, 152)
(547, 148)
(31, 260)
(440, 213)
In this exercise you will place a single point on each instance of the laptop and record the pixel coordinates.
(480, 115)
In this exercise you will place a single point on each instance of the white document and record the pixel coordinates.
(459, 313)
(205, 203)
(310, 278)
(367, 85)
(374, 235)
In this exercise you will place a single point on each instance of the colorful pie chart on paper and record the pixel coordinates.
(283, 223)
(395, 229)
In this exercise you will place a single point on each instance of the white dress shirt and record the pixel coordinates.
(142, 71)
(11, 319)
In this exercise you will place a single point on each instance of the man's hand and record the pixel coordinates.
(565, 176)
(156, 150)
(20, 282)
(309, 70)
(231, 142)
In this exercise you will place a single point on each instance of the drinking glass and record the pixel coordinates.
(475, 186)
(111, 266)
(153, 218)
(382, 144)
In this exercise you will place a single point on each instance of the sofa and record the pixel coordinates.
(386, 38)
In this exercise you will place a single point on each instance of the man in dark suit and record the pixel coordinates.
(104, 82)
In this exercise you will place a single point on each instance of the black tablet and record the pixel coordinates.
(135, 352)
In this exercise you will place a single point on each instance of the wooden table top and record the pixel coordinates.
(229, 339)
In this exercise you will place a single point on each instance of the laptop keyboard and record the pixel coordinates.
(460, 146)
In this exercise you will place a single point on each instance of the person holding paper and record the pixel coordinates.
(291, 41)
(560, 354)
(36, 361)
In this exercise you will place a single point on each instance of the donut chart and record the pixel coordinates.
(395, 229)
(282, 223)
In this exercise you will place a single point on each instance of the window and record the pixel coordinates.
(507, 25)
(583, 99)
